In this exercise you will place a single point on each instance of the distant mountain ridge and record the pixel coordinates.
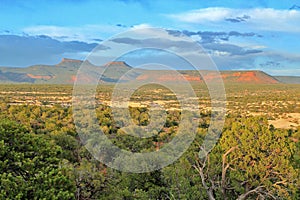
(65, 73)
(288, 79)
(62, 73)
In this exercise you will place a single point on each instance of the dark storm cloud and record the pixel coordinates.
(175, 33)
(158, 42)
(238, 34)
(187, 46)
(127, 41)
(121, 25)
(238, 19)
(26, 50)
(97, 40)
(271, 64)
(295, 7)
(212, 37)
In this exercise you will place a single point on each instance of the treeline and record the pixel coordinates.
(42, 158)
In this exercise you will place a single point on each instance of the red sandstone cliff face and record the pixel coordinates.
(67, 60)
(169, 77)
(120, 63)
(254, 77)
(235, 77)
(40, 76)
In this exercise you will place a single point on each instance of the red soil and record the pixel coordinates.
(84, 79)
(47, 77)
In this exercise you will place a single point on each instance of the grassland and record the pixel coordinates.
(278, 102)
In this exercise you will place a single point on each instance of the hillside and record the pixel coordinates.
(65, 73)
(194, 76)
(289, 79)
(62, 73)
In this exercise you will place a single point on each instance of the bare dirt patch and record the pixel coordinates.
(291, 121)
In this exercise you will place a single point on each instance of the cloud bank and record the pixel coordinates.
(256, 18)
(21, 51)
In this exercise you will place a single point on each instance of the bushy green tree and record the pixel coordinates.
(30, 166)
(255, 162)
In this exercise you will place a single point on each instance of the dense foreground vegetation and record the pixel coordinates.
(42, 158)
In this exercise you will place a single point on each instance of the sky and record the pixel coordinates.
(238, 35)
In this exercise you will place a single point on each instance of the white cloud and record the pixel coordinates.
(219, 53)
(258, 18)
(203, 15)
(141, 26)
(86, 33)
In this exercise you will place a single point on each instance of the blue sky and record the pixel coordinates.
(239, 35)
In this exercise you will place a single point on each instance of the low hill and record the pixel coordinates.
(65, 73)
(194, 76)
(289, 79)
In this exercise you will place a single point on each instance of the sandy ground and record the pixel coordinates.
(291, 121)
